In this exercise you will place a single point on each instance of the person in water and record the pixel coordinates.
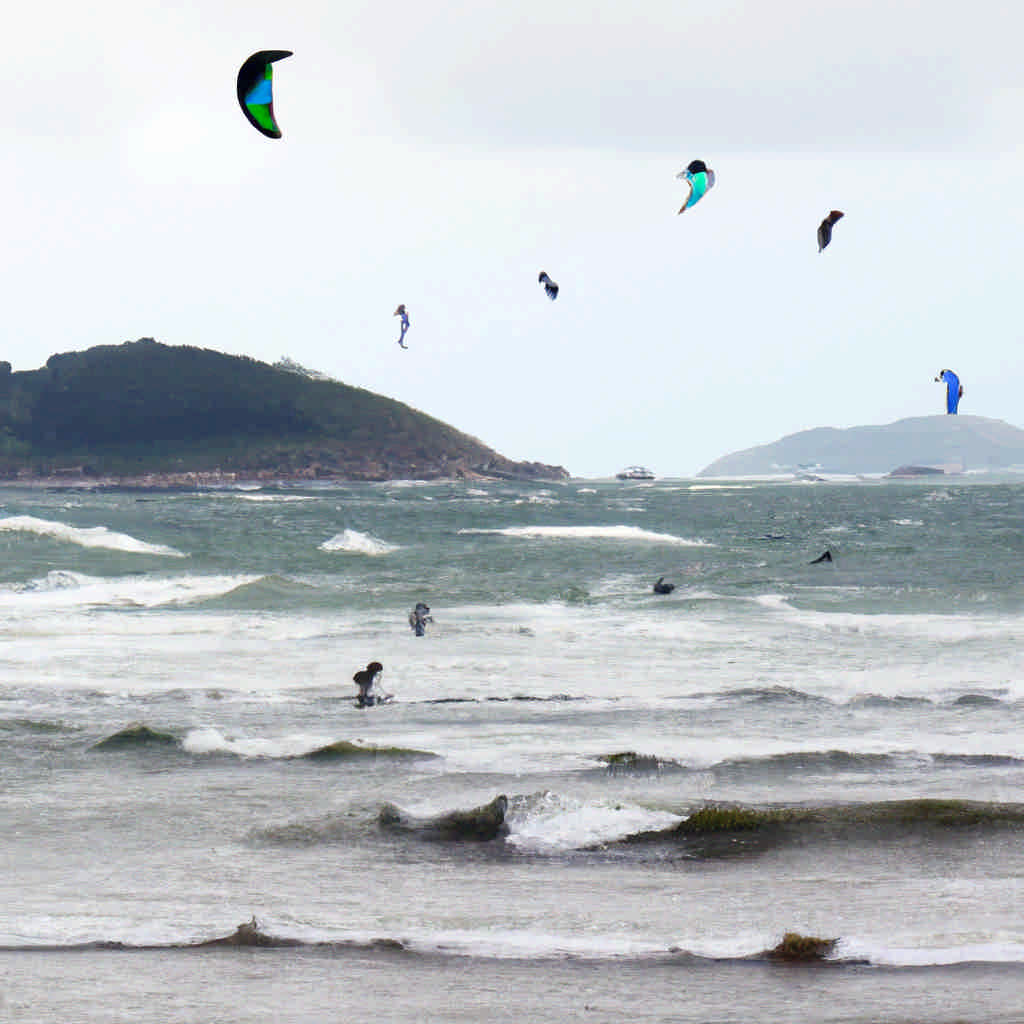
(661, 587)
(364, 679)
(419, 617)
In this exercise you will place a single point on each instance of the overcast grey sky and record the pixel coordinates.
(442, 155)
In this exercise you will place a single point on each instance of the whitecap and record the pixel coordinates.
(356, 543)
(549, 822)
(620, 532)
(60, 588)
(86, 536)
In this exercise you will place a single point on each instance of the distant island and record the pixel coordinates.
(908, 447)
(152, 414)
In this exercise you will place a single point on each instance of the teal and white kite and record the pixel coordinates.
(699, 179)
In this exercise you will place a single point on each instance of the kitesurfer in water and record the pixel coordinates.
(364, 679)
(419, 617)
(661, 587)
(405, 323)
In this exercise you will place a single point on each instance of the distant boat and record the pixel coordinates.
(635, 473)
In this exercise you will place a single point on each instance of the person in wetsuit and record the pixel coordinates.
(419, 617)
(364, 679)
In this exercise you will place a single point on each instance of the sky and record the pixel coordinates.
(442, 155)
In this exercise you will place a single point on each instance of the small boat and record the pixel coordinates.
(635, 473)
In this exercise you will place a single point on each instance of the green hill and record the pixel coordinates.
(142, 409)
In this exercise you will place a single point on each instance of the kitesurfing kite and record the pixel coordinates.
(699, 178)
(549, 286)
(405, 323)
(255, 93)
(825, 229)
(954, 390)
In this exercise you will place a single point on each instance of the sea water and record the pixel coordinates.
(182, 755)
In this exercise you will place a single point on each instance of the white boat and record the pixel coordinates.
(635, 473)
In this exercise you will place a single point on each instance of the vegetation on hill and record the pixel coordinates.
(145, 408)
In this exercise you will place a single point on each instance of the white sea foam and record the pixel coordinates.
(908, 522)
(67, 590)
(927, 956)
(356, 543)
(621, 532)
(86, 536)
(550, 822)
(720, 487)
(212, 741)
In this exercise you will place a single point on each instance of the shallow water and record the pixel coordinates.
(874, 705)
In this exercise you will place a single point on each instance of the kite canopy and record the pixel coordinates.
(255, 93)
(825, 229)
(954, 390)
(550, 288)
(700, 178)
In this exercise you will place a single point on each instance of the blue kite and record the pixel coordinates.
(954, 390)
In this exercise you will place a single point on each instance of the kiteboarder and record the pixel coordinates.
(364, 679)
(419, 617)
(405, 323)
(661, 587)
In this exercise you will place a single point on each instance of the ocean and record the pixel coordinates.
(585, 801)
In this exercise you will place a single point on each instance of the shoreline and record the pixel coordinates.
(201, 479)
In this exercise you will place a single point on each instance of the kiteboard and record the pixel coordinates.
(374, 699)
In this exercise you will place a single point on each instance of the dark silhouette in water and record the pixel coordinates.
(826, 557)
(419, 617)
(364, 679)
(661, 587)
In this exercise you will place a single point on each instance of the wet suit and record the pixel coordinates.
(364, 679)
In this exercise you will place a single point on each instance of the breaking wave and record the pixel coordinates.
(61, 588)
(86, 536)
(355, 543)
(623, 533)
(833, 953)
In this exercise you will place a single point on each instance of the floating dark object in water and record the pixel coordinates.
(826, 557)
(661, 587)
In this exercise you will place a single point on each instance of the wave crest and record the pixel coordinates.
(621, 532)
(356, 543)
(86, 536)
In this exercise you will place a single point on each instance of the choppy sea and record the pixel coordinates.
(585, 802)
